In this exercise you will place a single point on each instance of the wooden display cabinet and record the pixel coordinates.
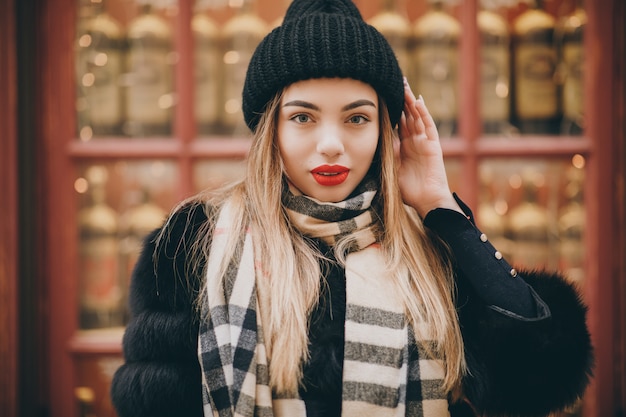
(78, 358)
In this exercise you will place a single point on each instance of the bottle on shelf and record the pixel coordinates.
(99, 289)
(99, 65)
(528, 227)
(495, 72)
(206, 71)
(149, 95)
(393, 23)
(241, 35)
(85, 397)
(279, 20)
(572, 227)
(435, 62)
(492, 210)
(570, 34)
(536, 104)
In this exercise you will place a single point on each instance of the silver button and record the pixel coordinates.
(498, 255)
(483, 237)
(513, 272)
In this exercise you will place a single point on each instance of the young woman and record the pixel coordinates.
(341, 277)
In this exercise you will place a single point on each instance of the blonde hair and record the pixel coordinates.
(427, 289)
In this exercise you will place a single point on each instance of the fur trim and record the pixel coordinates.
(528, 368)
(161, 376)
(157, 389)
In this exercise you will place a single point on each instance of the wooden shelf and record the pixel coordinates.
(148, 148)
(532, 146)
(102, 341)
(220, 147)
(106, 148)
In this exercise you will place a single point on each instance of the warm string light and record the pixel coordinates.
(578, 161)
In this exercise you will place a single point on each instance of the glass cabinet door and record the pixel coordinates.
(158, 118)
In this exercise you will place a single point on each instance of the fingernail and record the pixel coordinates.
(406, 82)
(421, 99)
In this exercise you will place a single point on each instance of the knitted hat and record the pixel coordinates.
(322, 39)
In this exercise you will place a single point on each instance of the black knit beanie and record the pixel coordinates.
(322, 39)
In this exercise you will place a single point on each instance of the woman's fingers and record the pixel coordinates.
(414, 122)
(430, 128)
(403, 128)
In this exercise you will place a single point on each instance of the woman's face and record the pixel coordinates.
(328, 131)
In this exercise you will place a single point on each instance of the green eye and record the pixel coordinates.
(301, 118)
(358, 119)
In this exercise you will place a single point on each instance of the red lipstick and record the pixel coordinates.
(329, 175)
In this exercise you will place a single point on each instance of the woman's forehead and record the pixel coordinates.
(335, 89)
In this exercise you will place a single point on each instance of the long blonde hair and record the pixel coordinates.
(292, 265)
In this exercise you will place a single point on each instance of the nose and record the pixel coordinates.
(330, 142)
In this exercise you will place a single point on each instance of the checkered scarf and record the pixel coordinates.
(386, 372)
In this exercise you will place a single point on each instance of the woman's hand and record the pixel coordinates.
(422, 175)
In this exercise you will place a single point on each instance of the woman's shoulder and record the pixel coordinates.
(170, 259)
(181, 229)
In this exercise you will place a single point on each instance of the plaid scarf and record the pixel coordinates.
(386, 371)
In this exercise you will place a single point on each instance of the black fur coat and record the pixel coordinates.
(518, 366)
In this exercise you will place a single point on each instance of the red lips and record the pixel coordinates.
(329, 175)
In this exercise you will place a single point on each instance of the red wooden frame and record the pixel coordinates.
(620, 156)
(8, 220)
(56, 121)
(602, 278)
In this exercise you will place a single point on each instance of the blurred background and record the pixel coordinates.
(112, 111)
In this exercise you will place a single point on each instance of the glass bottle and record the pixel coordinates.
(85, 397)
(491, 211)
(279, 20)
(149, 95)
(99, 289)
(241, 35)
(571, 228)
(435, 61)
(99, 65)
(527, 228)
(571, 31)
(207, 71)
(396, 28)
(495, 72)
(536, 97)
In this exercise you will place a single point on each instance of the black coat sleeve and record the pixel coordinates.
(161, 374)
(527, 347)
(520, 367)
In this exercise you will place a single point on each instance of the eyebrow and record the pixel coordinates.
(349, 106)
